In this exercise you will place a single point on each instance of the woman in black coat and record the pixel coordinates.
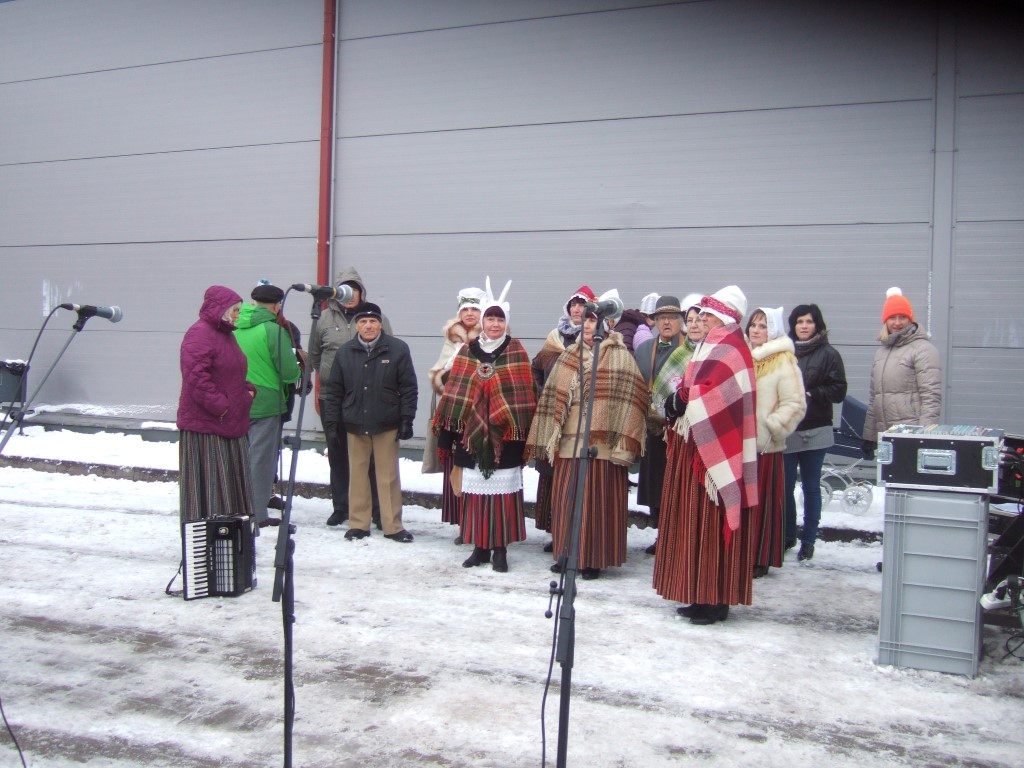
(825, 385)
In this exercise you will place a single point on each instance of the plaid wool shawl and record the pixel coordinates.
(721, 417)
(488, 411)
(671, 375)
(620, 401)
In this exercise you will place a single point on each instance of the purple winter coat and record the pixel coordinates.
(215, 397)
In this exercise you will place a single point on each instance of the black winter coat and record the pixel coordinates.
(824, 379)
(369, 393)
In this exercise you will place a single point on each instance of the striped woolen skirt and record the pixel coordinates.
(605, 511)
(493, 520)
(542, 509)
(213, 476)
(451, 505)
(693, 564)
(767, 519)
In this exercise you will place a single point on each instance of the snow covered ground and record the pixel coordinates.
(404, 658)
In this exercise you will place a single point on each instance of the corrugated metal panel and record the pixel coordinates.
(990, 160)
(836, 267)
(986, 386)
(837, 165)
(370, 18)
(50, 38)
(676, 59)
(268, 97)
(204, 195)
(988, 280)
(990, 49)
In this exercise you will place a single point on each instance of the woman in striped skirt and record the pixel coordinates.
(457, 332)
(705, 551)
(781, 404)
(213, 413)
(617, 431)
(484, 416)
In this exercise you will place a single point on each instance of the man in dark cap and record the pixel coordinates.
(272, 368)
(338, 326)
(650, 357)
(369, 401)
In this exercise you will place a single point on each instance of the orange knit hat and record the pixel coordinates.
(896, 304)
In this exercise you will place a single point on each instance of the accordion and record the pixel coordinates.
(218, 557)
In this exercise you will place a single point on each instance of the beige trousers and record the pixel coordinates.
(383, 448)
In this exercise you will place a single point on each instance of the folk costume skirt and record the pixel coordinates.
(451, 505)
(213, 476)
(542, 508)
(492, 519)
(605, 511)
(693, 563)
(768, 518)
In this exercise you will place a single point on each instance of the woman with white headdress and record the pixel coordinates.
(484, 417)
(457, 333)
(781, 404)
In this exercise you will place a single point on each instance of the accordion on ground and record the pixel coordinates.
(218, 557)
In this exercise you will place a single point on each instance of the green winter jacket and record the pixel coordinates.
(272, 362)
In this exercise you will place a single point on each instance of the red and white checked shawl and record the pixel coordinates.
(721, 416)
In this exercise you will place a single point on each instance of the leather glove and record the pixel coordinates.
(405, 430)
(868, 449)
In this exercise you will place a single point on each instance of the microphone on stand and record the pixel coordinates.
(611, 307)
(343, 293)
(113, 314)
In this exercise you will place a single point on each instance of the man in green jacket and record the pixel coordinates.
(272, 367)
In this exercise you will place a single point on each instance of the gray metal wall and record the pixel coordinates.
(148, 150)
(806, 151)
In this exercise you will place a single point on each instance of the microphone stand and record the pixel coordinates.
(284, 588)
(18, 415)
(566, 644)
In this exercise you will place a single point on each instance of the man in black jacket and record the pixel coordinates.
(372, 392)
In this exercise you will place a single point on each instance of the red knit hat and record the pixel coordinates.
(896, 304)
(583, 293)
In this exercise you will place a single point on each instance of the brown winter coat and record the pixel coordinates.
(906, 383)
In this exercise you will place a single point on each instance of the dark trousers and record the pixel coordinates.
(337, 458)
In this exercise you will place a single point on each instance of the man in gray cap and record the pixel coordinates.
(650, 357)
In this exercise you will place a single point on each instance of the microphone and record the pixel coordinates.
(113, 314)
(343, 293)
(611, 307)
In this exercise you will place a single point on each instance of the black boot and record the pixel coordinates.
(709, 614)
(480, 556)
(806, 552)
(499, 562)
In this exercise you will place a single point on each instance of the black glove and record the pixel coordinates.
(868, 449)
(675, 406)
(405, 431)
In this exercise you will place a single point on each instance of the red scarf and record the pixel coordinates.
(721, 416)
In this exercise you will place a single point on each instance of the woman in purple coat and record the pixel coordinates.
(213, 413)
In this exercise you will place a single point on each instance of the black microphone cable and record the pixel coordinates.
(10, 732)
(28, 365)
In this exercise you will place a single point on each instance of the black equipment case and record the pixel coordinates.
(940, 457)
